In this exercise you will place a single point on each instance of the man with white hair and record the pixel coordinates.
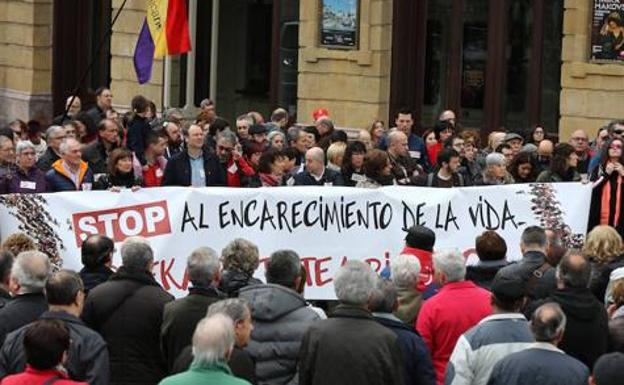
(458, 306)
(181, 316)
(54, 137)
(316, 174)
(29, 274)
(70, 173)
(495, 172)
(213, 343)
(127, 311)
(351, 347)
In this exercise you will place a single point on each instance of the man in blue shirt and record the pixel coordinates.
(404, 122)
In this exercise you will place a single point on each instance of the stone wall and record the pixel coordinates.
(353, 84)
(591, 94)
(124, 83)
(25, 59)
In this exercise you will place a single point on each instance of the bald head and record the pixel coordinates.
(573, 271)
(397, 143)
(213, 340)
(545, 148)
(579, 141)
(315, 160)
(548, 323)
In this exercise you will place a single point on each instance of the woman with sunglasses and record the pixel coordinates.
(608, 193)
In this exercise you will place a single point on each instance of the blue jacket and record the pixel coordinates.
(59, 180)
(418, 364)
(138, 129)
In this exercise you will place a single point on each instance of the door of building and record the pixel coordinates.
(496, 63)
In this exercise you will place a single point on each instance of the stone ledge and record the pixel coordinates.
(313, 55)
(582, 70)
(21, 105)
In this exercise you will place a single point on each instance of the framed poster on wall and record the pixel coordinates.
(607, 31)
(339, 23)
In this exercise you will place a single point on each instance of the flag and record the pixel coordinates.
(165, 31)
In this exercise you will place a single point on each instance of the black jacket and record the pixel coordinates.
(180, 319)
(329, 176)
(47, 159)
(20, 311)
(232, 281)
(178, 170)
(241, 363)
(5, 297)
(96, 156)
(138, 130)
(483, 272)
(127, 311)
(350, 348)
(87, 359)
(531, 262)
(92, 278)
(600, 277)
(418, 364)
(586, 333)
(604, 181)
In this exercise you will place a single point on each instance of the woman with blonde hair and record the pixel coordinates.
(604, 249)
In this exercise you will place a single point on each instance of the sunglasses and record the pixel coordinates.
(619, 132)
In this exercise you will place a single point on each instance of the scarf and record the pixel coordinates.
(270, 180)
(605, 204)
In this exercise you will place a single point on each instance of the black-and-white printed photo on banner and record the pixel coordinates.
(607, 31)
(339, 23)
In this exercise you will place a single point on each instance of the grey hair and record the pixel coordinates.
(31, 269)
(384, 296)
(405, 271)
(395, 136)
(273, 134)
(293, 134)
(452, 263)
(54, 131)
(24, 145)
(317, 154)
(213, 340)
(495, 159)
(65, 145)
(5, 139)
(354, 283)
(203, 265)
(228, 136)
(136, 253)
(241, 255)
(548, 322)
(235, 308)
(244, 118)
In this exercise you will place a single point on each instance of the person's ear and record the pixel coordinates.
(299, 285)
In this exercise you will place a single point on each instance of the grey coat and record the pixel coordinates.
(281, 318)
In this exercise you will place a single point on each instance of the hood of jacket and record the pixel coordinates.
(579, 303)
(270, 302)
(232, 281)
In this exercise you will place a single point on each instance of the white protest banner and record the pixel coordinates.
(326, 226)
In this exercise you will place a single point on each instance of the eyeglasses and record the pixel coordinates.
(616, 146)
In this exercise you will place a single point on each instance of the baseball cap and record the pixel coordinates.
(420, 237)
(257, 129)
(508, 287)
(511, 136)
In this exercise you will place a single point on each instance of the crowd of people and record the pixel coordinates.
(554, 317)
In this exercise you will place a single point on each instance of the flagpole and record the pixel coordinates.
(214, 51)
(190, 57)
(93, 60)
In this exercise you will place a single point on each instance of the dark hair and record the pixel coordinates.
(490, 246)
(154, 136)
(614, 17)
(471, 136)
(96, 251)
(574, 275)
(6, 263)
(531, 131)
(445, 156)
(251, 148)
(62, 287)
(100, 90)
(283, 268)
(139, 104)
(114, 157)
(501, 147)
(267, 159)
(403, 111)
(356, 147)
(45, 341)
(102, 124)
(521, 158)
(7, 133)
(87, 120)
(338, 136)
(534, 236)
(33, 127)
(218, 125)
(291, 153)
(279, 114)
(559, 162)
(427, 133)
(152, 107)
(374, 163)
(442, 125)
(448, 143)
(604, 152)
(607, 369)
(312, 130)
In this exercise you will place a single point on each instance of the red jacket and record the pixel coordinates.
(426, 266)
(33, 376)
(234, 170)
(449, 314)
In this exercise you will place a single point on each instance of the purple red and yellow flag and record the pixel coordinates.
(165, 31)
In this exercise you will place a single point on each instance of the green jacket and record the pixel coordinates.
(217, 374)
